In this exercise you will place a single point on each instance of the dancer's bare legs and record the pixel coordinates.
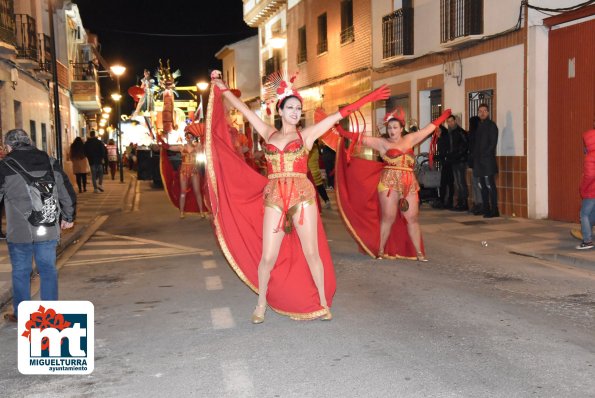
(388, 208)
(183, 190)
(271, 244)
(196, 188)
(308, 234)
(411, 215)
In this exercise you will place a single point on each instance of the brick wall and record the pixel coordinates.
(340, 59)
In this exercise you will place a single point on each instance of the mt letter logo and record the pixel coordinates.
(56, 337)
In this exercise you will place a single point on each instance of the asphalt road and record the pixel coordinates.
(172, 319)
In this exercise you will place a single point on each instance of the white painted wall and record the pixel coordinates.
(34, 98)
(246, 61)
(508, 65)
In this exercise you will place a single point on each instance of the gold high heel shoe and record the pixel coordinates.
(380, 256)
(256, 319)
(421, 257)
(328, 316)
(182, 214)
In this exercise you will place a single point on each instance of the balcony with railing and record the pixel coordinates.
(258, 11)
(45, 56)
(460, 21)
(26, 39)
(84, 86)
(7, 28)
(397, 34)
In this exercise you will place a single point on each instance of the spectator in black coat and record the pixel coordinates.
(96, 153)
(485, 166)
(457, 157)
(446, 177)
(477, 208)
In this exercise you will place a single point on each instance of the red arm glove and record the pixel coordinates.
(442, 118)
(382, 92)
(346, 134)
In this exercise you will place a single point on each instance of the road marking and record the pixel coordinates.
(221, 318)
(213, 283)
(209, 264)
(237, 379)
(136, 205)
(105, 242)
(125, 258)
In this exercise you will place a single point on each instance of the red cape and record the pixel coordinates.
(171, 184)
(236, 196)
(357, 198)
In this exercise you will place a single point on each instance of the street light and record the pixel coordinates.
(107, 109)
(118, 70)
(202, 86)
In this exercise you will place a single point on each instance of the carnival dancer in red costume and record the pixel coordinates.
(370, 195)
(254, 216)
(191, 171)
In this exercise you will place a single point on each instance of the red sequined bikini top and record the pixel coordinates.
(394, 157)
(293, 158)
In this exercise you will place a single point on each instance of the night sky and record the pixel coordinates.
(114, 21)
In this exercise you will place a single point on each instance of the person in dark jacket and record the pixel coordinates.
(485, 166)
(457, 157)
(477, 208)
(587, 191)
(96, 154)
(28, 240)
(446, 177)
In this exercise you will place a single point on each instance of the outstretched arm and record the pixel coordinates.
(413, 139)
(376, 143)
(312, 133)
(261, 127)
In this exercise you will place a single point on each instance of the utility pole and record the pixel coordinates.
(57, 119)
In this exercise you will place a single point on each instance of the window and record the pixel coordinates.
(272, 65)
(347, 34)
(460, 18)
(322, 38)
(397, 32)
(480, 97)
(302, 52)
(44, 137)
(33, 132)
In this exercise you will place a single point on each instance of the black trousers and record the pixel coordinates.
(489, 193)
(322, 192)
(459, 172)
(446, 185)
(81, 181)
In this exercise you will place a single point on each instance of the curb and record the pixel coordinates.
(558, 258)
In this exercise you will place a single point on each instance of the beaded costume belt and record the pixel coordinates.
(286, 174)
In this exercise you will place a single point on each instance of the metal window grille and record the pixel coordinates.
(397, 33)
(347, 33)
(45, 52)
(435, 103)
(26, 37)
(7, 21)
(459, 18)
(322, 35)
(302, 52)
(479, 97)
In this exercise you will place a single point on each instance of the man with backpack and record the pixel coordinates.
(40, 201)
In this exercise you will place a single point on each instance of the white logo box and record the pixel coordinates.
(74, 356)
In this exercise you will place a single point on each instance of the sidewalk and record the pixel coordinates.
(543, 239)
(89, 206)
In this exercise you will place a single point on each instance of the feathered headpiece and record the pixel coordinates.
(277, 88)
(165, 77)
(397, 114)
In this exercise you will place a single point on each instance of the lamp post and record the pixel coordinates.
(202, 86)
(118, 70)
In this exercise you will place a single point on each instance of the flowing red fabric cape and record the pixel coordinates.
(171, 184)
(236, 197)
(357, 198)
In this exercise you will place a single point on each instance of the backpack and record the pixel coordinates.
(43, 194)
